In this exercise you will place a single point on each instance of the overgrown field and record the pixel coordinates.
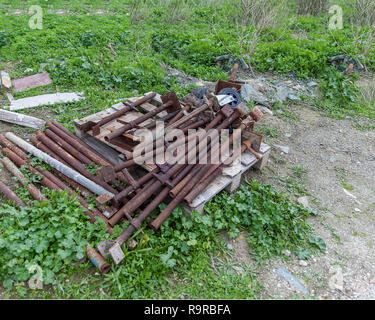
(122, 48)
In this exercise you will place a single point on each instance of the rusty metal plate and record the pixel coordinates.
(104, 198)
(116, 253)
(227, 111)
(171, 96)
(107, 174)
(36, 80)
(104, 246)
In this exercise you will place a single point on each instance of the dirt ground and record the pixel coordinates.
(332, 154)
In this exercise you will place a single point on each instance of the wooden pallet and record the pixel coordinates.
(229, 180)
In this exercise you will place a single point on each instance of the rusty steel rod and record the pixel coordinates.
(51, 182)
(124, 110)
(80, 141)
(97, 189)
(67, 146)
(75, 185)
(202, 185)
(138, 121)
(77, 145)
(11, 195)
(75, 164)
(190, 115)
(34, 191)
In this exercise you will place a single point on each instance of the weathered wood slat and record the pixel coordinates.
(21, 119)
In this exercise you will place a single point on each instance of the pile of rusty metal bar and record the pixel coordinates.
(126, 191)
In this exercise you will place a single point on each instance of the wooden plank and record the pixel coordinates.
(21, 119)
(230, 179)
(45, 99)
(6, 83)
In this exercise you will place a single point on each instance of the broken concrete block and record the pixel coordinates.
(45, 99)
(36, 80)
(21, 119)
(6, 83)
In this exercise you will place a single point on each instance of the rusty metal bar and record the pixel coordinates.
(97, 260)
(119, 113)
(80, 141)
(77, 145)
(138, 121)
(68, 147)
(97, 189)
(234, 72)
(38, 144)
(35, 193)
(73, 162)
(11, 195)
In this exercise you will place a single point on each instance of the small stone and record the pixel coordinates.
(265, 110)
(303, 201)
(285, 274)
(357, 210)
(286, 253)
(230, 246)
(28, 70)
(336, 281)
(293, 97)
(284, 149)
(288, 135)
(332, 159)
(303, 263)
(312, 84)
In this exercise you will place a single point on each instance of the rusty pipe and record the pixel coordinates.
(77, 145)
(51, 182)
(34, 191)
(91, 152)
(68, 147)
(206, 180)
(97, 260)
(11, 195)
(155, 224)
(234, 72)
(73, 162)
(75, 185)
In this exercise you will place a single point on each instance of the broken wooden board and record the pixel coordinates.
(21, 119)
(33, 81)
(6, 83)
(45, 99)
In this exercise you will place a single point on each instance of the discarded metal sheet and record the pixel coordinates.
(117, 253)
(33, 81)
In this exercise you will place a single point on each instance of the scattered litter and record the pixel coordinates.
(336, 281)
(284, 149)
(285, 274)
(303, 201)
(286, 253)
(357, 210)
